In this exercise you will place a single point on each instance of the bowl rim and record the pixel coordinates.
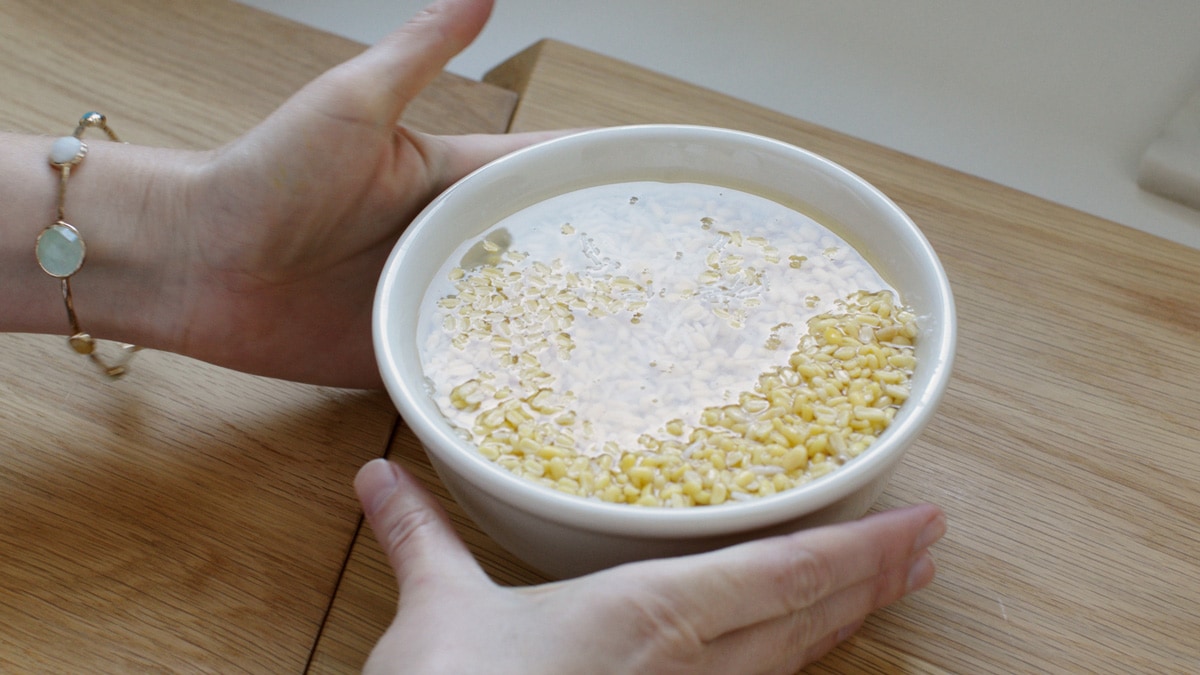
(445, 446)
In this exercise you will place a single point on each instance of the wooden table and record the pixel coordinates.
(190, 518)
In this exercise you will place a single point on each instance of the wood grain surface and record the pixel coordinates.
(186, 518)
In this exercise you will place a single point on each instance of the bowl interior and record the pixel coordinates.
(832, 195)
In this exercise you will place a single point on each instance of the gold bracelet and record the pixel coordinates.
(60, 248)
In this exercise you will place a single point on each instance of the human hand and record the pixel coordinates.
(767, 606)
(296, 218)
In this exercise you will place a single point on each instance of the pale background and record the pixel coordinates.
(1058, 98)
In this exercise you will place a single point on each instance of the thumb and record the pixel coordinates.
(410, 57)
(412, 528)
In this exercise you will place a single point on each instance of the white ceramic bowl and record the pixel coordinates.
(564, 535)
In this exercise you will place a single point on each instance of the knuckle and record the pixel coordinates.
(666, 633)
(808, 625)
(401, 532)
(807, 578)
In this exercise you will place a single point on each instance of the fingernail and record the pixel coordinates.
(376, 482)
(920, 573)
(933, 531)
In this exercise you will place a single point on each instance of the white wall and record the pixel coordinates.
(1054, 97)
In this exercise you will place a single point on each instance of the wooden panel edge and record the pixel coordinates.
(515, 72)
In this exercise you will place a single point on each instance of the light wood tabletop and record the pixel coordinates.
(190, 518)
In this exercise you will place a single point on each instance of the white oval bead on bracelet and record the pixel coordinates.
(67, 150)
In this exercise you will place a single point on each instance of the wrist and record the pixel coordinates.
(131, 207)
(129, 204)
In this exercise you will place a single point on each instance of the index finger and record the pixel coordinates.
(757, 581)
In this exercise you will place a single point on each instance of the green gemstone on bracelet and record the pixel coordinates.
(60, 250)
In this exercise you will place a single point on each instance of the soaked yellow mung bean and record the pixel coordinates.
(665, 344)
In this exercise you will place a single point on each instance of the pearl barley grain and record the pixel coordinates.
(665, 344)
